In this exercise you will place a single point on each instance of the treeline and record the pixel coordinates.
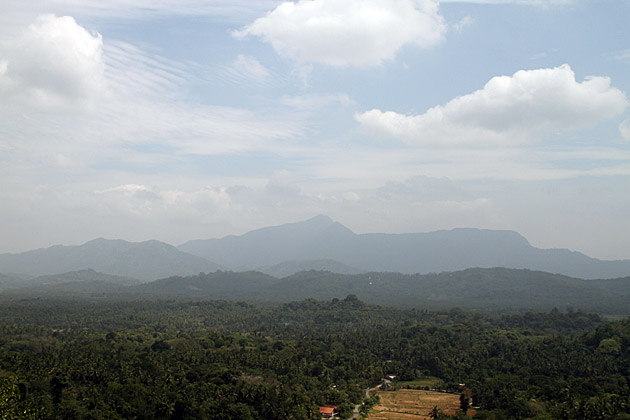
(234, 360)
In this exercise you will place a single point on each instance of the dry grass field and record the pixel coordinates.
(411, 404)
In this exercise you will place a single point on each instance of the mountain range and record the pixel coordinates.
(321, 238)
(319, 243)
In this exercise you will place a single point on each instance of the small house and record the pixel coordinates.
(328, 411)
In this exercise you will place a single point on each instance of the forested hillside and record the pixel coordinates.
(497, 289)
(221, 360)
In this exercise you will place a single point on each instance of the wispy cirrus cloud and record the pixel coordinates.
(244, 70)
(232, 10)
(85, 91)
(623, 56)
(462, 24)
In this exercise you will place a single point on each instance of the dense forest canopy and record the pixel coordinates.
(235, 360)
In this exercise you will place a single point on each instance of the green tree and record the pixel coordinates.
(464, 402)
(13, 405)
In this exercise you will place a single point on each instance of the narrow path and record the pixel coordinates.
(355, 412)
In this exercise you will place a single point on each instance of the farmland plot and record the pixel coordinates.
(411, 404)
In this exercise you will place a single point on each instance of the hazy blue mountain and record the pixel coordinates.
(319, 243)
(142, 260)
(217, 285)
(87, 275)
(321, 238)
(10, 280)
(288, 268)
(72, 284)
(272, 245)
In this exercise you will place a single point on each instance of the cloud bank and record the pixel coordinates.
(350, 32)
(509, 110)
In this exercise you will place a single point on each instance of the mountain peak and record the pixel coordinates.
(319, 219)
(314, 226)
(273, 244)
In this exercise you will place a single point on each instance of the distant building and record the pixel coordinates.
(328, 411)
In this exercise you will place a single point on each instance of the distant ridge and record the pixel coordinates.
(217, 285)
(321, 238)
(288, 268)
(491, 289)
(87, 275)
(145, 261)
(82, 283)
(9, 280)
(487, 289)
(473, 288)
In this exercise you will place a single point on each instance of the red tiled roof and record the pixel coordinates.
(327, 409)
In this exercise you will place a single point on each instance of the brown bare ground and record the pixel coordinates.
(411, 404)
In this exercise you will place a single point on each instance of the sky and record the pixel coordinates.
(188, 119)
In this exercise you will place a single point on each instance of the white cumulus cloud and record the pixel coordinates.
(521, 108)
(53, 62)
(345, 33)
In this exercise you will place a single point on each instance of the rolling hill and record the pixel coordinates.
(74, 284)
(496, 289)
(474, 288)
(218, 285)
(287, 268)
(79, 276)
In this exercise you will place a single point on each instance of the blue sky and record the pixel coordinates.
(178, 120)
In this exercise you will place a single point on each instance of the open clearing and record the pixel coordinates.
(411, 404)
